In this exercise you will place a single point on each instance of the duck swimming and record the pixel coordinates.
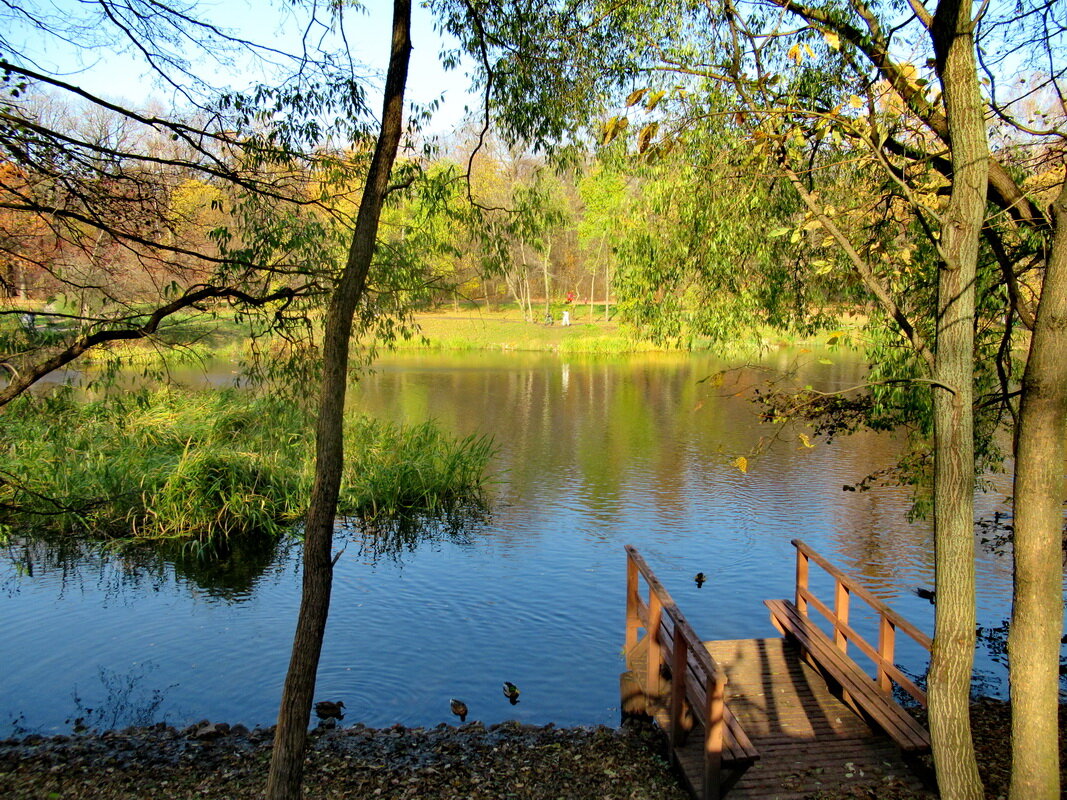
(511, 692)
(459, 708)
(327, 709)
(700, 579)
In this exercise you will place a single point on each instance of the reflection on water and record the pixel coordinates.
(396, 538)
(112, 571)
(119, 700)
(593, 454)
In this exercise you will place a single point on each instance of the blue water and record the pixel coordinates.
(592, 455)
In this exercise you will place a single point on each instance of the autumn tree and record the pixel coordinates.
(102, 189)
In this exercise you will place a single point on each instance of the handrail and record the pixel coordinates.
(888, 623)
(688, 656)
(702, 655)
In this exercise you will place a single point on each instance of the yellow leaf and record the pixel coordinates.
(653, 99)
(644, 139)
(741, 463)
(795, 54)
(804, 440)
(809, 52)
(635, 96)
(613, 127)
(855, 101)
(833, 41)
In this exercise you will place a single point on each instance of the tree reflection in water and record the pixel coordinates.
(126, 700)
(395, 537)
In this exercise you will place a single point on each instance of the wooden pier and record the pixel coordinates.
(778, 718)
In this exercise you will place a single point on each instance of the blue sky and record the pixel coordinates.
(121, 76)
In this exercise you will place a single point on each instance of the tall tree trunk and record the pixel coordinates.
(511, 281)
(287, 759)
(607, 288)
(952, 660)
(527, 305)
(1037, 609)
(592, 289)
(545, 258)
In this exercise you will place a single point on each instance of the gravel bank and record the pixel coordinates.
(510, 760)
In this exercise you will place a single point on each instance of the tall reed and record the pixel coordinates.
(209, 466)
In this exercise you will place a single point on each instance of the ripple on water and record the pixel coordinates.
(631, 453)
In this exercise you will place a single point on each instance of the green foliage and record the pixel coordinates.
(391, 470)
(693, 256)
(210, 467)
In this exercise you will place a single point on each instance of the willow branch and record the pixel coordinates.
(863, 269)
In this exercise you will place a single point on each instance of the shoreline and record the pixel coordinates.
(507, 759)
(446, 762)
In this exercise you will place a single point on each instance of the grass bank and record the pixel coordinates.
(505, 329)
(209, 466)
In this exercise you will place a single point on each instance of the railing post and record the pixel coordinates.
(887, 634)
(802, 581)
(655, 651)
(841, 596)
(678, 679)
(713, 735)
(632, 621)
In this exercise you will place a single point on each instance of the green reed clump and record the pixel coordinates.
(206, 467)
(391, 469)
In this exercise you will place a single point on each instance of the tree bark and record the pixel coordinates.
(1037, 608)
(952, 660)
(287, 759)
(545, 258)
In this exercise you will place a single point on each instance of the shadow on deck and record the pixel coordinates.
(784, 726)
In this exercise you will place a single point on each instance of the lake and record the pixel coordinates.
(592, 454)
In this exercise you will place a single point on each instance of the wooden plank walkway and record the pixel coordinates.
(766, 719)
(808, 739)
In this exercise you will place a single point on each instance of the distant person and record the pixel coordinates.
(566, 318)
(570, 297)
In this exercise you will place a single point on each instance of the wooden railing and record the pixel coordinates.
(697, 682)
(889, 622)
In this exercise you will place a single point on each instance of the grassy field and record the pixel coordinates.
(505, 329)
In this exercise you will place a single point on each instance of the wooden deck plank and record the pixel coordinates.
(879, 705)
(736, 744)
(807, 738)
(786, 734)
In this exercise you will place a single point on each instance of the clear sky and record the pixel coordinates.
(102, 69)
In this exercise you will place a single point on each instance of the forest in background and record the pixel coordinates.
(760, 162)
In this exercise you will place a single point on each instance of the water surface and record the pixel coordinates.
(593, 454)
